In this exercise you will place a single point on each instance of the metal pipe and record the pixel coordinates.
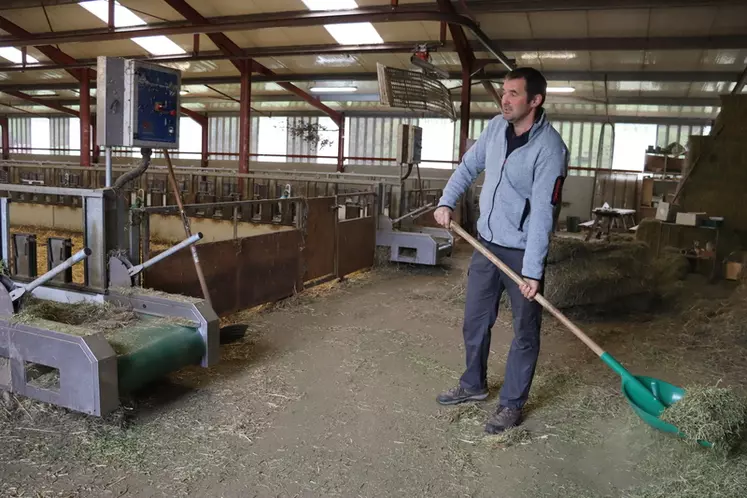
(245, 120)
(187, 230)
(415, 213)
(76, 258)
(341, 145)
(85, 122)
(5, 137)
(5, 230)
(108, 167)
(135, 270)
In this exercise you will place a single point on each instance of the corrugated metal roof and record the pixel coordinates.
(559, 25)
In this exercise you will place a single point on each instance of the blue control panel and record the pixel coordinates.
(156, 116)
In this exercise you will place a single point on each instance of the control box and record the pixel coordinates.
(409, 144)
(137, 104)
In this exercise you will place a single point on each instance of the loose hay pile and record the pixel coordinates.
(712, 414)
(102, 317)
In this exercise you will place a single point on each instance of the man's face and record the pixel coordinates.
(515, 101)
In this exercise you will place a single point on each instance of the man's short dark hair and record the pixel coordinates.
(535, 82)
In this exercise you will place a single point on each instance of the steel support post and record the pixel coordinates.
(245, 122)
(85, 122)
(464, 112)
(95, 139)
(205, 142)
(341, 145)
(6, 137)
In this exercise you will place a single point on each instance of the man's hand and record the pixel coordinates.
(529, 288)
(443, 216)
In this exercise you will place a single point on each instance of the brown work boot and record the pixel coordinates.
(503, 418)
(460, 395)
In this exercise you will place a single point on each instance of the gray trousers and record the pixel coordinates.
(485, 285)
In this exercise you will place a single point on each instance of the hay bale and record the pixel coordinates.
(570, 248)
(716, 415)
(594, 273)
(648, 231)
(671, 265)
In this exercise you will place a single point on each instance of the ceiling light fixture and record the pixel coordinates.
(333, 89)
(560, 89)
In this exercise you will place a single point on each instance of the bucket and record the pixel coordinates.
(572, 223)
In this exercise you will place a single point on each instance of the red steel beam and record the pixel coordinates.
(464, 112)
(492, 92)
(224, 43)
(463, 48)
(202, 120)
(467, 59)
(245, 123)
(6, 137)
(46, 103)
(111, 22)
(85, 122)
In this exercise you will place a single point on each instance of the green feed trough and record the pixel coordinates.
(148, 351)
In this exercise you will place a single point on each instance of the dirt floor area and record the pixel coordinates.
(332, 393)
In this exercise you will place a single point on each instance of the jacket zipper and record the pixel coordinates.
(500, 178)
(492, 204)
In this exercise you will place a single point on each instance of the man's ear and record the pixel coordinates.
(536, 101)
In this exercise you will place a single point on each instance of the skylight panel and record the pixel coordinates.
(330, 4)
(359, 33)
(124, 17)
(14, 55)
(354, 34)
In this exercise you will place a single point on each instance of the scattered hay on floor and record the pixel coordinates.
(713, 414)
(678, 471)
(469, 413)
(511, 437)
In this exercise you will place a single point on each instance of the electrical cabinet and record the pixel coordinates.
(137, 104)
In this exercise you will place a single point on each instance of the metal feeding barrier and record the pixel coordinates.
(69, 363)
(89, 369)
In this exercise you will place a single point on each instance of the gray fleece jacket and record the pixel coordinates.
(520, 192)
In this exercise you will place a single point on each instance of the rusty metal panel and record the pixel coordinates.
(319, 253)
(240, 274)
(357, 245)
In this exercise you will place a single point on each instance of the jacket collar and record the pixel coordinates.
(540, 119)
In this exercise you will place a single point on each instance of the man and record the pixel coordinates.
(525, 163)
